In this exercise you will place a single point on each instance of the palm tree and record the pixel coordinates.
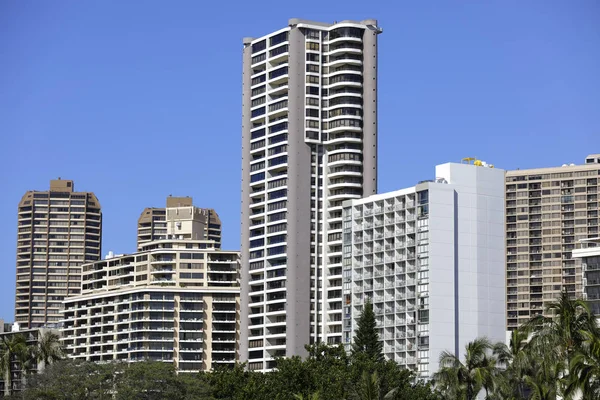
(560, 337)
(517, 362)
(570, 318)
(584, 370)
(49, 348)
(13, 348)
(465, 380)
(543, 381)
(369, 388)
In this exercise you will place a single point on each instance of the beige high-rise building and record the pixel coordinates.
(179, 216)
(548, 210)
(58, 230)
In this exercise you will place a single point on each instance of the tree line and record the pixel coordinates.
(546, 359)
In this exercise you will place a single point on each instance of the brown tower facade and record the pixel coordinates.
(58, 231)
(180, 219)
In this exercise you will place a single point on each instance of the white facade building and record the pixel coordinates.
(309, 142)
(430, 258)
(588, 255)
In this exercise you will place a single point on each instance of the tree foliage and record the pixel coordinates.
(546, 359)
(326, 374)
(366, 342)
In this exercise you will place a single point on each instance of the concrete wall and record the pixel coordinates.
(480, 250)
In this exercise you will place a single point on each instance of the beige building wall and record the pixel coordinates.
(174, 301)
(548, 210)
(180, 219)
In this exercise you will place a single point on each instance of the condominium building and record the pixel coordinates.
(12, 380)
(174, 301)
(429, 259)
(587, 257)
(547, 211)
(309, 142)
(177, 217)
(58, 230)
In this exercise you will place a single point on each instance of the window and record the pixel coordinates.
(278, 149)
(312, 90)
(257, 134)
(257, 102)
(345, 100)
(277, 160)
(311, 101)
(312, 46)
(256, 254)
(312, 57)
(278, 72)
(276, 239)
(312, 34)
(345, 156)
(257, 145)
(259, 79)
(277, 206)
(278, 106)
(277, 227)
(345, 32)
(259, 46)
(257, 166)
(276, 250)
(257, 177)
(258, 90)
(277, 216)
(345, 122)
(345, 78)
(312, 68)
(277, 194)
(312, 112)
(312, 79)
(278, 127)
(259, 58)
(279, 138)
(279, 50)
(279, 38)
(277, 183)
(257, 112)
(345, 111)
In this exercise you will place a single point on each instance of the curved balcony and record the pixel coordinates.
(344, 195)
(344, 137)
(345, 45)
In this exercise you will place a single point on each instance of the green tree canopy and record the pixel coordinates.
(366, 342)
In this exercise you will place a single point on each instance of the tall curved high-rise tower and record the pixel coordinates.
(309, 142)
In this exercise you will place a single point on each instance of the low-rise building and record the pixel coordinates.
(174, 301)
(588, 257)
(11, 382)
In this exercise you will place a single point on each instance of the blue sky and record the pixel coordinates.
(136, 100)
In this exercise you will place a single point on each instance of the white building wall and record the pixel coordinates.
(442, 241)
(463, 288)
(481, 275)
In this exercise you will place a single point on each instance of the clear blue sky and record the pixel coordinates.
(136, 100)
